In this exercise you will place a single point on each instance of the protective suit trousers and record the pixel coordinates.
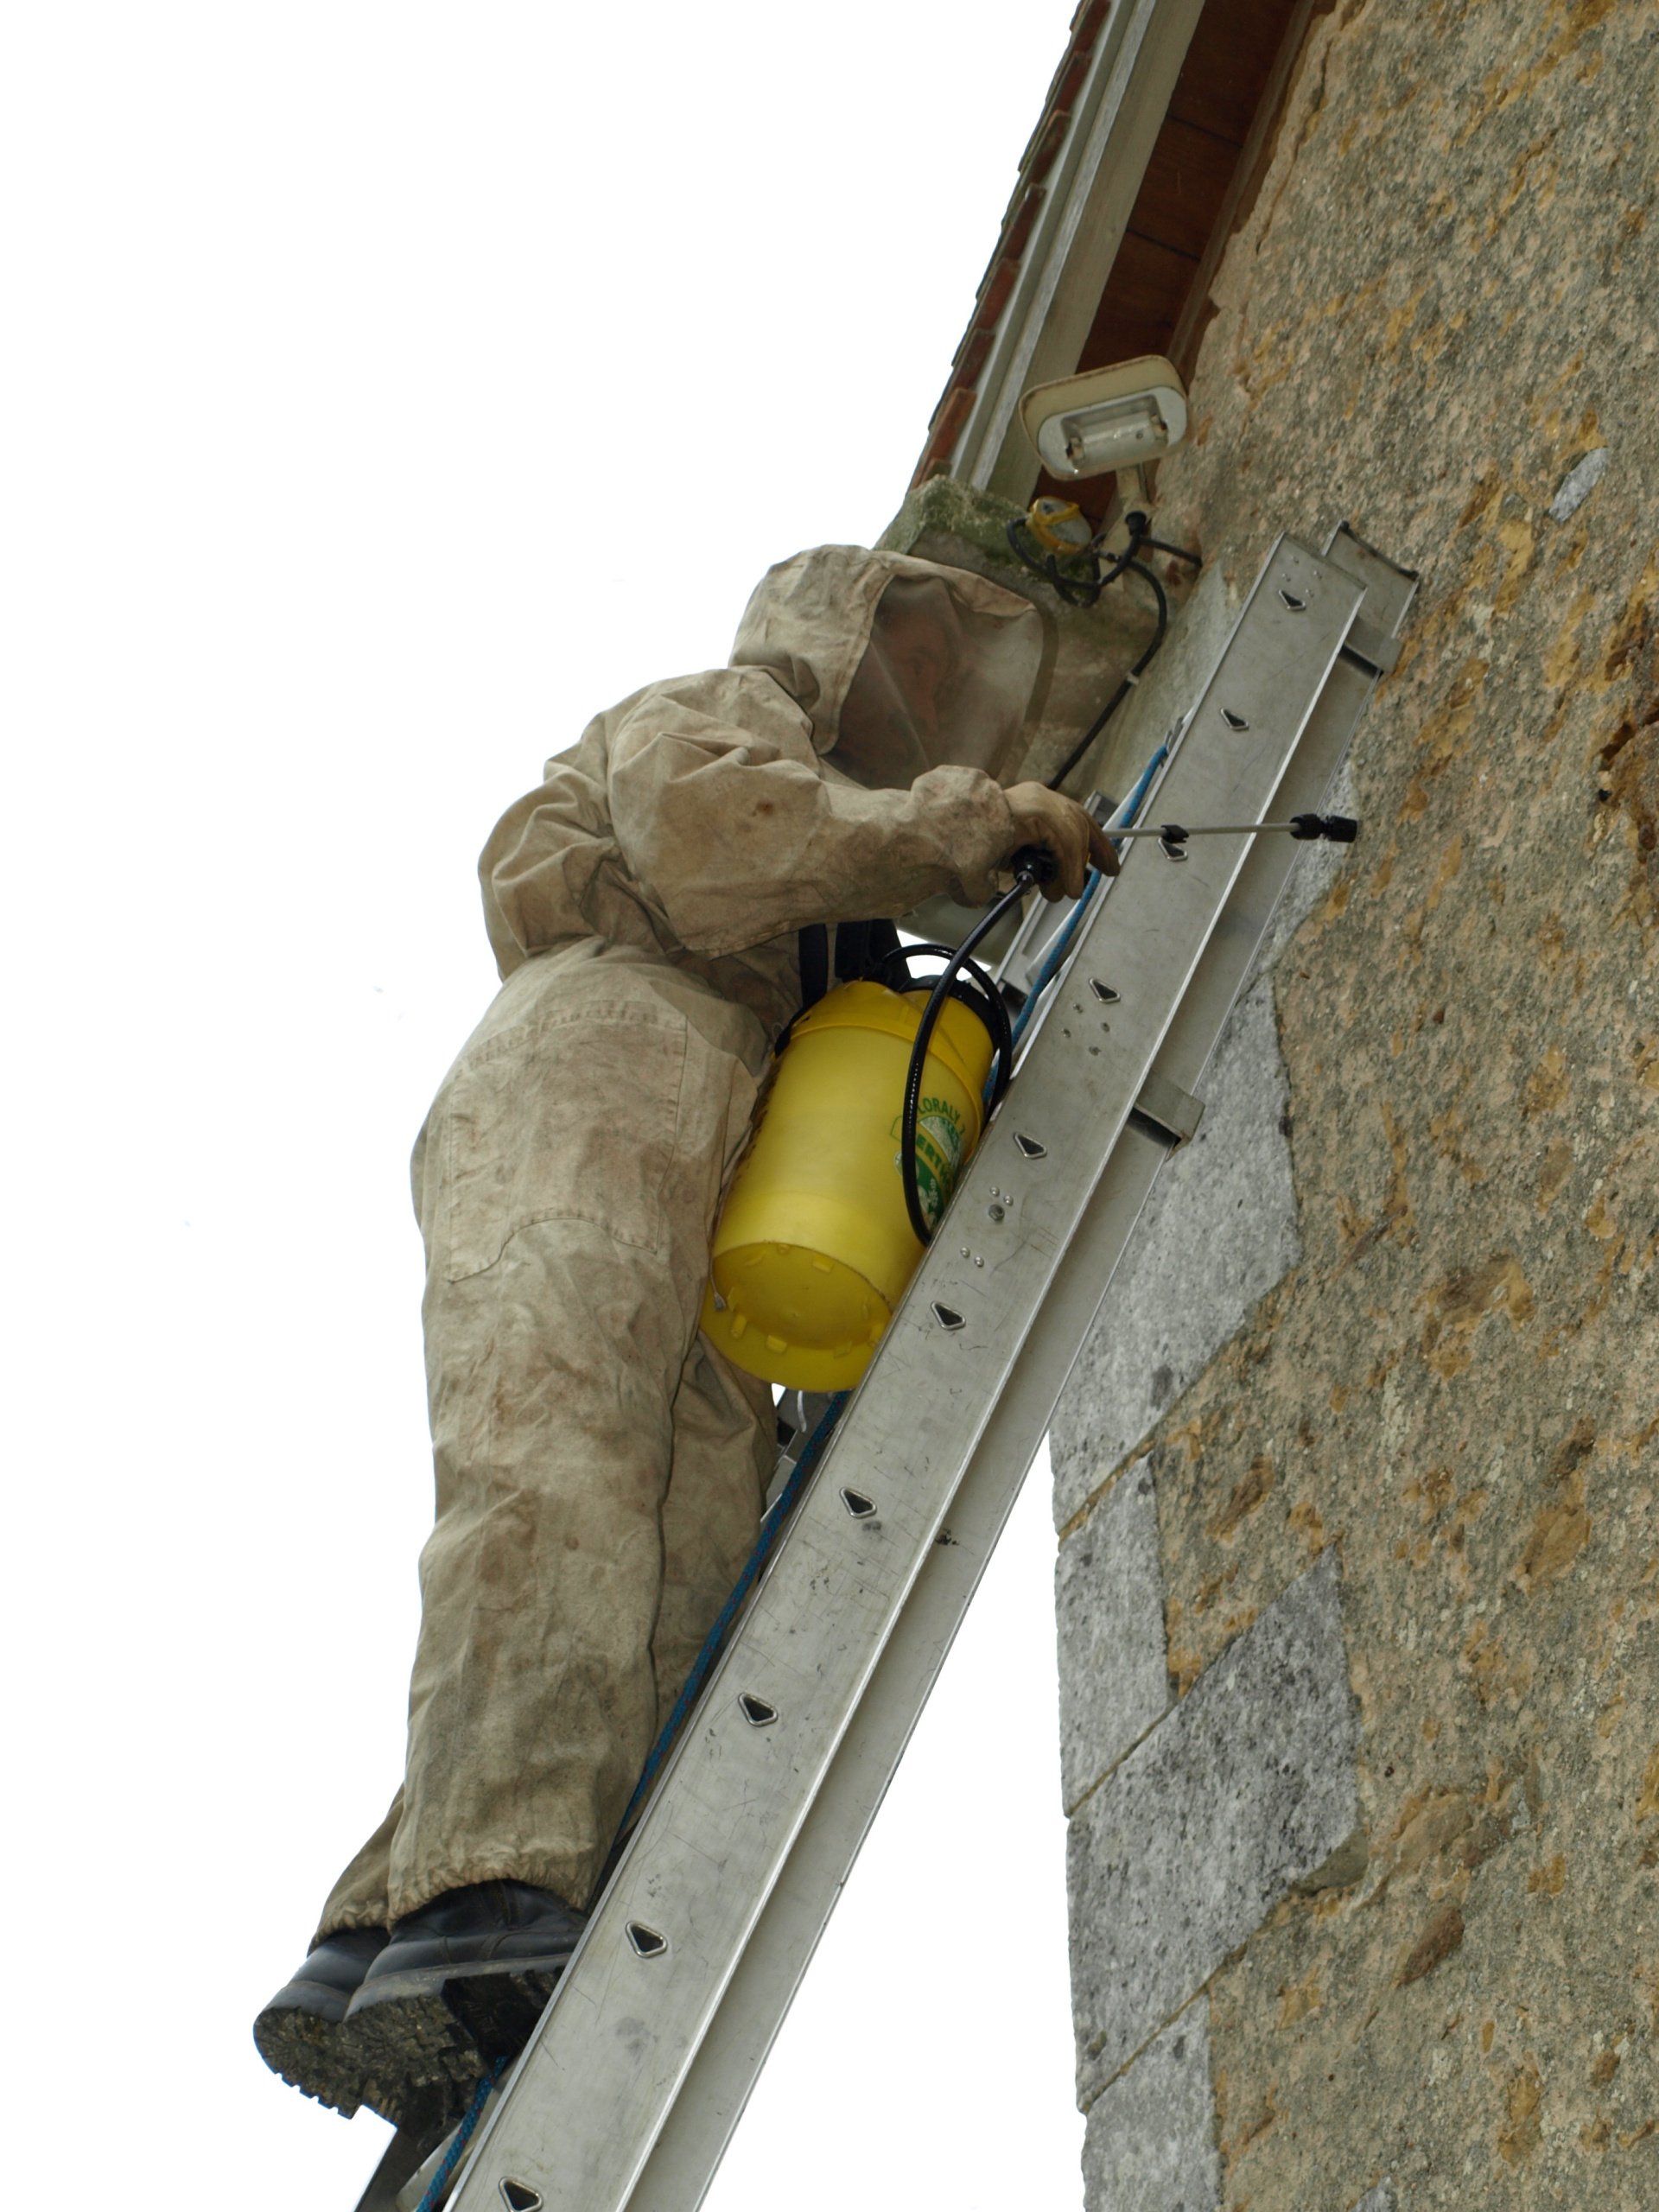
(601, 1468)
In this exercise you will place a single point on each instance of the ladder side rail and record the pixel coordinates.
(598, 2080)
(688, 2151)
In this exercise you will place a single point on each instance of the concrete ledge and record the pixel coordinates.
(1245, 1788)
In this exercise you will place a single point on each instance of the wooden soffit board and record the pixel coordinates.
(1156, 130)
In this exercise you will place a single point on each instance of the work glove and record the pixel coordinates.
(1063, 828)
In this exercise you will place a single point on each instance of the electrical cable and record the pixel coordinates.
(1125, 687)
(1085, 591)
(1081, 590)
(1175, 552)
(1162, 597)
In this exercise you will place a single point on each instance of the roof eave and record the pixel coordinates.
(1093, 184)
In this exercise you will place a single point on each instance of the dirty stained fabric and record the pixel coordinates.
(599, 1467)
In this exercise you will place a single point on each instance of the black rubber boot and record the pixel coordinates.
(300, 2034)
(458, 1988)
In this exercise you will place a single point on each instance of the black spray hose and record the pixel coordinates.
(974, 988)
(1031, 864)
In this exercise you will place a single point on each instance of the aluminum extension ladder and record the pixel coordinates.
(629, 2090)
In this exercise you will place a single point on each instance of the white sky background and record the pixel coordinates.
(386, 390)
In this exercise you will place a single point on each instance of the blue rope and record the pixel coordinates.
(1055, 958)
(1127, 813)
(460, 2140)
(782, 1505)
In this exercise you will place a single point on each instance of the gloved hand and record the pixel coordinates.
(1047, 818)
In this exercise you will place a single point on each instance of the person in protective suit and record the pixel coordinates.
(601, 1467)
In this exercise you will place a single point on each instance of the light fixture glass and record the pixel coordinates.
(1117, 434)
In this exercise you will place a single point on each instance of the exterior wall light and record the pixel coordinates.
(1106, 420)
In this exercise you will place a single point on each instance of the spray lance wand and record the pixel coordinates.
(797, 1298)
(1334, 828)
(1032, 866)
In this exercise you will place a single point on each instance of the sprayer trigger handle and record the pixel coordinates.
(1035, 862)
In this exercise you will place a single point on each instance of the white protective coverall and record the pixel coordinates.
(601, 1468)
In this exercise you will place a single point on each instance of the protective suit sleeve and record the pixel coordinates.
(729, 821)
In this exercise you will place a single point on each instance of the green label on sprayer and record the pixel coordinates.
(940, 1139)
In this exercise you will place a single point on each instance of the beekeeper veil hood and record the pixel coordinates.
(901, 665)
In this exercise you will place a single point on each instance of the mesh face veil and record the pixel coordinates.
(901, 665)
(936, 684)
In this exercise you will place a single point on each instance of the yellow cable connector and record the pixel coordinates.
(1059, 525)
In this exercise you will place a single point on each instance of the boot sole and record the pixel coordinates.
(342, 2066)
(437, 2032)
(306, 2051)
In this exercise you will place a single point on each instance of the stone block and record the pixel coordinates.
(1150, 2144)
(1219, 1230)
(1109, 1609)
(1243, 1790)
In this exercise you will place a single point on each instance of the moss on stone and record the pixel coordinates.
(944, 508)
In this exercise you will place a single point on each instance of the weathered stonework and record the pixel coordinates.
(1150, 2144)
(1440, 306)
(1244, 1788)
(1110, 1608)
(1219, 1231)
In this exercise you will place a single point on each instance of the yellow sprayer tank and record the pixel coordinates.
(813, 1249)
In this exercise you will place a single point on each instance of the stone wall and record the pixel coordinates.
(1359, 1560)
